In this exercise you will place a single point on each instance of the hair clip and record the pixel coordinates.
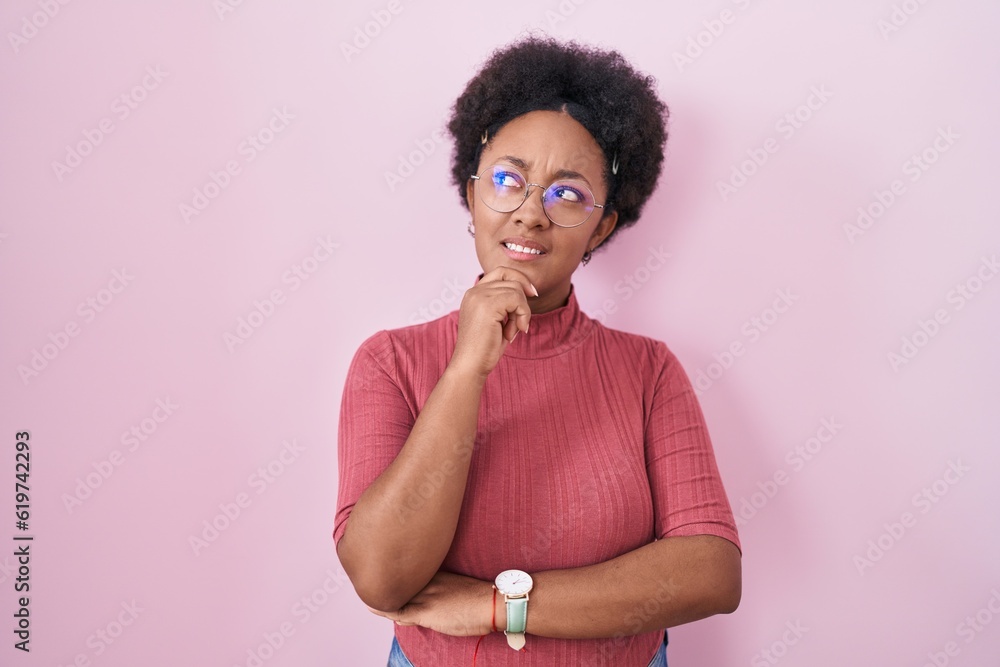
(485, 136)
(614, 165)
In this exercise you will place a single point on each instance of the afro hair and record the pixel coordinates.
(618, 105)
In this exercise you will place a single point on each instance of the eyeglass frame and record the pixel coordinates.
(527, 193)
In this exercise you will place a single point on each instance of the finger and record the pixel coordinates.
(517, 313)
(508, 273)
(518, 316)
(510, 329)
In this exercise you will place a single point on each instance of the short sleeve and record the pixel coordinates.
(687, 490)
(375, 421)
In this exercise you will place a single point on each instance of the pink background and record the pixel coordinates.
(400, 255)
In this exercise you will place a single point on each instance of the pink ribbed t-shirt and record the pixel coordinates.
(590, 444)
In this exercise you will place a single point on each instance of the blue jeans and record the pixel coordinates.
(398, 659)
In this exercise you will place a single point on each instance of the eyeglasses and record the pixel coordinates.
(567, 202)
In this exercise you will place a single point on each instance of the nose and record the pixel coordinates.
(532, 210)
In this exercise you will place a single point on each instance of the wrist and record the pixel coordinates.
(464, 374)
(500, 611)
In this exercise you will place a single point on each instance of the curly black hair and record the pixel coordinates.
(618, 105)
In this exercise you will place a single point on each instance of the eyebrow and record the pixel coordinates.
(562, 173)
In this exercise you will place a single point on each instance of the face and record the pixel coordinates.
(540, 145)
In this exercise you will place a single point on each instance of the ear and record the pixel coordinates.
(603, 229)
(470, 193)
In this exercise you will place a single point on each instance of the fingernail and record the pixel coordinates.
(514, 336)
(534, 288)
(526, 327)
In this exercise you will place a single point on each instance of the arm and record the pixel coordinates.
(691, 572)
(402, 525)
(403, 522)
(670, 582)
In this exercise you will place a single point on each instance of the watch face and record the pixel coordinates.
(513, 582)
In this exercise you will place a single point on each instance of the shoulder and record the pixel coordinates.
(387, 347)
(645, 350)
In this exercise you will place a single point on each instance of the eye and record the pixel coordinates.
(568, 195)
(506, 179)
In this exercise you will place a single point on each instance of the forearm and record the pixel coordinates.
(669, 582)
(402, 526)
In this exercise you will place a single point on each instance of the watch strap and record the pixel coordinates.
(517, 614)
(515, 640)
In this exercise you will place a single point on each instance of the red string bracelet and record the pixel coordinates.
(493, 615)
(494, 608)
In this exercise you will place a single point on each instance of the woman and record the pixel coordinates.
(519, 484)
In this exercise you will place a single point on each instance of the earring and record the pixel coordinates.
(614, 165)
(485, 136)
(471, 229)
(586, 257)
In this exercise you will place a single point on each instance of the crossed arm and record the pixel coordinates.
(666, 583)
(394, 564)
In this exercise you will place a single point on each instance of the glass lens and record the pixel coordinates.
(568, 203)
(502, 188)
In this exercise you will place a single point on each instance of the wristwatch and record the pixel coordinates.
(515, 585)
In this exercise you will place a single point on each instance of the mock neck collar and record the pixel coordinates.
(549, 334)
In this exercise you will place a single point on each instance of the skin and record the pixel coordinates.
(547, 141)
(393, 556)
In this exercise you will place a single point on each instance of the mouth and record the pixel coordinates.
(523, 249)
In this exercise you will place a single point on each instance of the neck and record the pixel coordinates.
(550, 300)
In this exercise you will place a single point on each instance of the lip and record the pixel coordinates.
(526, 243)
(521, 256)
